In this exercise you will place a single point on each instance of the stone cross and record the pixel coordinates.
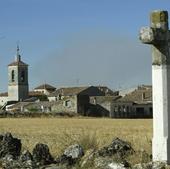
(158, 35)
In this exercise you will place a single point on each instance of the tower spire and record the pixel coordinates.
(18, 57)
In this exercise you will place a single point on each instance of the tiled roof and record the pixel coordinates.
(140, 95)
(107, 91)
(4, 94)
(44, 103)
(46, 86)
(102, 99)
(33, 93)
(70, 91)
(17, 63)
(19, 104)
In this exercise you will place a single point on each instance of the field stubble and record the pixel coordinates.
(59, 133)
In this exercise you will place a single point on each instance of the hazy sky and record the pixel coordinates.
(78, 42)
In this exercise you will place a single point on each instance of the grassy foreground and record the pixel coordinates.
(58, 133)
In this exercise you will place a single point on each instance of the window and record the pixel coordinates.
(124, 108)
(115, 109)
(68, 103)
(59, 97)
(12, 76)
(22, 76)
(119, 108)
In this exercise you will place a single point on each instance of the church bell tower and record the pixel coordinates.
(17, 79)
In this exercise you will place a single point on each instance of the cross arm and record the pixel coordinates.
(149, 35)
(146, 35)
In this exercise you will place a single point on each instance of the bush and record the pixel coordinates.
(88, 141)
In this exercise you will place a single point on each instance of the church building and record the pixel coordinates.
(17, 79)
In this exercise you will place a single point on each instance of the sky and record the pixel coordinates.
(78, 42)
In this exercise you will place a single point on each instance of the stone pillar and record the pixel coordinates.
(158, 36)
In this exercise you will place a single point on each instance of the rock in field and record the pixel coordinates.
(74, 151)
(26, 156)
(117, 146)
(109, 163)
(150, 165)
(9, 146)
(71, 154)
(41, 155)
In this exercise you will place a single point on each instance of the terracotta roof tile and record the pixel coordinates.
(33, 93)
(140, 95)
(4, 94)
(68, 91)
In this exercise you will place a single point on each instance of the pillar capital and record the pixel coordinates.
(157, 35)
(159, 19)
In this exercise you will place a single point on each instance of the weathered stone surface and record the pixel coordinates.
(18, 165)
(10, 146)
(1, 137)
(146, 35)
(54, 166)
(71, 155)
(74, 151)
(159, 19)
(41, 154)
(8, 158)
(26, 156)
(109, 163)
(74, 158)
(117, 146)
(150, 165)
(22, 162)
(8, 162)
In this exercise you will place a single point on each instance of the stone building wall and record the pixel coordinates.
(122, 110)
(17, 87)
(143, 110)
(67, 105)
(3, 100)
(131, 110)
(104, 102)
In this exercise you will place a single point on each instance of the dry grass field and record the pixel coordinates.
(58, 133)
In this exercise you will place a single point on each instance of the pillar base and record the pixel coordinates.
(161, 149)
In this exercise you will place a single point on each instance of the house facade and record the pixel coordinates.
(102, 104)
(72, 91)
(73, 98)
(71, 104)
(45, 89)
(136, 104)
